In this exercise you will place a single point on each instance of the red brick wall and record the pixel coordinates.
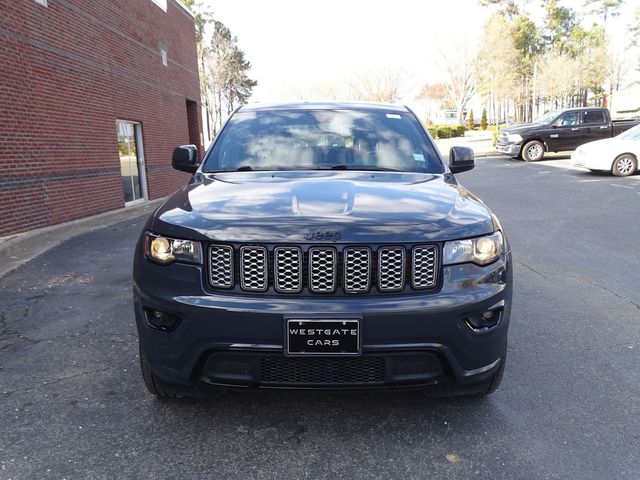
(67, 72)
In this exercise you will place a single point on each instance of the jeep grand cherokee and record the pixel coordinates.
(323, 246)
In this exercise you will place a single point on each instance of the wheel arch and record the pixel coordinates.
(624, 153)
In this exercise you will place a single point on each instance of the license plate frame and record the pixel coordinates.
(299, 348)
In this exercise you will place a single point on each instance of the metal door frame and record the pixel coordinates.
(142, 171)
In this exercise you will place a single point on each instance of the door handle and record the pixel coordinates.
(575, 129)
(604, 126)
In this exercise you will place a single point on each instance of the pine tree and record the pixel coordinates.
(483, 120)
(470, 120)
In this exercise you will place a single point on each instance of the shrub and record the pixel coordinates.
(446, 131)
(470, 120)
(483, 120)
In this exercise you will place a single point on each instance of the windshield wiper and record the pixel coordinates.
(343, 166)
(244, 168)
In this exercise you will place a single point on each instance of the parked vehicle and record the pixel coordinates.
(323, 246)
(619, 155)
(560, 131)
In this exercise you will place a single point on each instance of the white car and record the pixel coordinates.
(619, 155)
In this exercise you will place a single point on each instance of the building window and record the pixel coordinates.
(163, 54)
(161, 3)
(131, 154)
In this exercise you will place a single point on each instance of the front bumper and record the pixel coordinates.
(512, 149)
(591, 161)
(236, 340)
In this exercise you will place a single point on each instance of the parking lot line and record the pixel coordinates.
(621, 186)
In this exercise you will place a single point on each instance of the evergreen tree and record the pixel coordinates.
(483, 120)
(470, 120)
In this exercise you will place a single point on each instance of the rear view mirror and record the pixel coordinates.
(461, 159)
(185, 158)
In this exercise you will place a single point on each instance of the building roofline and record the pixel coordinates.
(183, 7)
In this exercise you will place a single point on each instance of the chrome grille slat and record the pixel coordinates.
(357, 269)
(287, 269)
(424, 266)
(221, 266)
(322, 269)
(391, 269)
(253, 269)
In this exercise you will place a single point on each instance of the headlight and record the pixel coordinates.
(161, 249)
(514, 138)
(481, 250)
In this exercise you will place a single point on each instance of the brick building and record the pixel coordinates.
(94, 95)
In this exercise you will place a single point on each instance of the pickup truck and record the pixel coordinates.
(560, 131)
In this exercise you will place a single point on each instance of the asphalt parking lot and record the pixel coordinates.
(73, 404)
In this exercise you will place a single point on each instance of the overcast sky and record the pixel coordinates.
(292, 43)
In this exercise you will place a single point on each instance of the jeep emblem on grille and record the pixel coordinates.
(328, 235)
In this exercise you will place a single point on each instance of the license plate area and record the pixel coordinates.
(306, 337)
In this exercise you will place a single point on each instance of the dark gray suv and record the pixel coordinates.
(322, 246)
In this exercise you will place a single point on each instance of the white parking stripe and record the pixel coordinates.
(621, 186)
(591, 180)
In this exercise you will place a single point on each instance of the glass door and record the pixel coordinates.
(131, 161)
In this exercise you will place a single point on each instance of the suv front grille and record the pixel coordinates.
(253, 268)
(357, 270)
(424, 266)
(288, 269)
(322, 371)
(324, 270)
(391, 269)
(221, 266)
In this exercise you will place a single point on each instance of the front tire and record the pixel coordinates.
(624, 165)
(153, 384)
(533, 151)
(497, 378)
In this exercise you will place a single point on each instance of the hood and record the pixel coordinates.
(521, 127)
(338, 206)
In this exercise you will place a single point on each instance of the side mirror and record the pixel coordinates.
(185, 158)
(461, 159)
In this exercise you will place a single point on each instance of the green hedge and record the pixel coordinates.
(446, 131)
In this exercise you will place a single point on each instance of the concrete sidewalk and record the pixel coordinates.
(482, 145)
(15, 250)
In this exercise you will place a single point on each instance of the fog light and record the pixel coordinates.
(484, 321)
(160, 320)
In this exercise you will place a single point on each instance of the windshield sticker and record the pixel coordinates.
(418, 157)
(393, 115)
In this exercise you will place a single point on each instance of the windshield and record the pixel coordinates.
(631, 134)
(323, 139)
(547, 117)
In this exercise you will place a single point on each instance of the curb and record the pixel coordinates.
(16, 250)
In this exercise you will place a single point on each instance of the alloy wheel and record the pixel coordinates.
(624, 165)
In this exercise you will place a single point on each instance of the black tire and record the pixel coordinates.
(479, 390)
(532, 151)
(624, 165)
(497, 378)
(151, 381)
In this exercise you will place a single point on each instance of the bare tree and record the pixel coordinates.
(382, 85)
(433, 91)
(458, 66)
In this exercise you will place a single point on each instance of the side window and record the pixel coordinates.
(591, 117)
(569, 119)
